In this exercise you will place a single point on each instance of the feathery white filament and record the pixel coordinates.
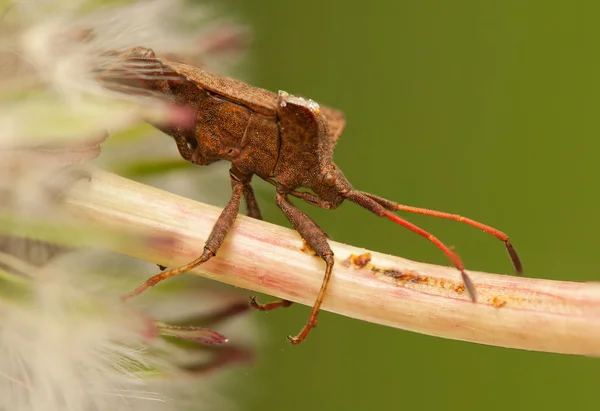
(71, 348)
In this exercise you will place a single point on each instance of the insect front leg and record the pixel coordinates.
(317, 239)
(213, 243)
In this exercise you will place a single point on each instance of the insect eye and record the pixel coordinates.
(329, 179)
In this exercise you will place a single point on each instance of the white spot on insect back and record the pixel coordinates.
(299, 101)
(313, 106)
(283, 95)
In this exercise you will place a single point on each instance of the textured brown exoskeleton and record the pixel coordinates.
(285, 140)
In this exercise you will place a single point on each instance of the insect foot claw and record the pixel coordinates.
(137, 291)
(303, 333)
(294, 340)
(256, 304)
(270, 305)
(150, 282)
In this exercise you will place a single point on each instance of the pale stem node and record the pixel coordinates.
(512, 312)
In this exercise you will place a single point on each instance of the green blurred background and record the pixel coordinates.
(484, 108)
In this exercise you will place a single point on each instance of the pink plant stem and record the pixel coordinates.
(513, 312)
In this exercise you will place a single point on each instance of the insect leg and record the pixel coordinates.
(252, 209)
(254, 212)
(316, 238)
(215, 239)
(271, 305)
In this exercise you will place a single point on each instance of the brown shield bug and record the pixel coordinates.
(287, 141)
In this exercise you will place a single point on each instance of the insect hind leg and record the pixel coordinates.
(253, 211)
(252, 208)
(271, 305)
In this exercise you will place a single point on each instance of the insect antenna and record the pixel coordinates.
(385, 208)
(391, 206)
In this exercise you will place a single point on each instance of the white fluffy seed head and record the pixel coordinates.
(68, 48)
(70, 343)
(53, 51)
(65, 346)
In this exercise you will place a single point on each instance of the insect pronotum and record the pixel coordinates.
(287, 141)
